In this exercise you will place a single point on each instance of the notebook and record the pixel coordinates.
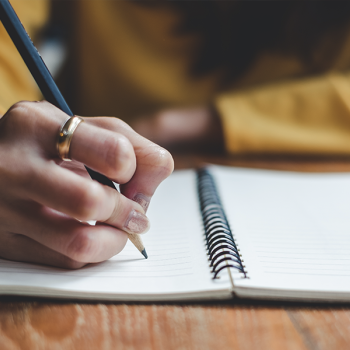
(218, 233)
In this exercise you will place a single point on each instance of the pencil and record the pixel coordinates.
(46, 83)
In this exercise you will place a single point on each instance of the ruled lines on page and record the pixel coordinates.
(173, 261)
(293, 229)
(303, 252)
(177, 263)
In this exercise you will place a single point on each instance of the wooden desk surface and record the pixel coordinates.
(40, 324)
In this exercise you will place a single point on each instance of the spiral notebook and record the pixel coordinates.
(218, 233)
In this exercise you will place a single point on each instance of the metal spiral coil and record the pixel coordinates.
(221, 246)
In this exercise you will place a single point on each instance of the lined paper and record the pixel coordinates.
(177, 266)
(293, 229)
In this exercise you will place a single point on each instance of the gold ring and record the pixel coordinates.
(65, 136)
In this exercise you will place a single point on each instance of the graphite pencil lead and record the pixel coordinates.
(144, 253)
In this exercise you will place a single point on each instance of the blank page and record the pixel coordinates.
(293, 230)
(177, 267)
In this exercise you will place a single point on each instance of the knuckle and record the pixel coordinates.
(118, 208)
(87, 202)
(16, 113)
(83, 247)
(120, 125)
(21, 106)
(167, 161)
(22, 109)
(114, 124)
(162, 160)
(20, 118)
(119, 158)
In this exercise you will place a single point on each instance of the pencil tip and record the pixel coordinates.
(144, 253)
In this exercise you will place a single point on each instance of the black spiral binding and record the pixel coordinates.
(221, 246)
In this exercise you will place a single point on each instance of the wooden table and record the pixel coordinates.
(41, 324)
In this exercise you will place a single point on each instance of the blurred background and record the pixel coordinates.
(237, 77)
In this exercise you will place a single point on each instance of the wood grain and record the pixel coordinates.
(323, 329)
(38, 324)
(80, 326)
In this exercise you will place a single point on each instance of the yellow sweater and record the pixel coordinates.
(16, 82)
(126, 63)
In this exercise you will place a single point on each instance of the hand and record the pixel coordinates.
(192, 129)
(42, 198)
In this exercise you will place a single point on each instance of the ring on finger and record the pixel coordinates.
(65, 136)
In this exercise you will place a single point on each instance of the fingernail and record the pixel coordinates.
(142, 200)
(136, 223)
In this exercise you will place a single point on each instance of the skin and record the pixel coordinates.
(190, 129)
(44, 202)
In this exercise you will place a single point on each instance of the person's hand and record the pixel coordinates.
(45, 202)
(192, 129)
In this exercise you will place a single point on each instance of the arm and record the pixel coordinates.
(306, 116)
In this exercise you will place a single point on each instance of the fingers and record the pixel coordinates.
(107, 152)
(77, 241)
(154, 163)
(21, 248)
(83, 199)
(36, 123)
(107, 145)
(104, 151)
(43, 200)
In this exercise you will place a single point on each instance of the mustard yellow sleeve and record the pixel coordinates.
(16, 82)
(310, 116)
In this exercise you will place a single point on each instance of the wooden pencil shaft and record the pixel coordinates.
(137, 241)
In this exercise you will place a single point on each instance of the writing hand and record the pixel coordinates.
(42, 198)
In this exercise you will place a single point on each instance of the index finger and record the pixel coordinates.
(153, 163)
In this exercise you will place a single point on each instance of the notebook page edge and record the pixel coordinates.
(255, 287)
(218, 294)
